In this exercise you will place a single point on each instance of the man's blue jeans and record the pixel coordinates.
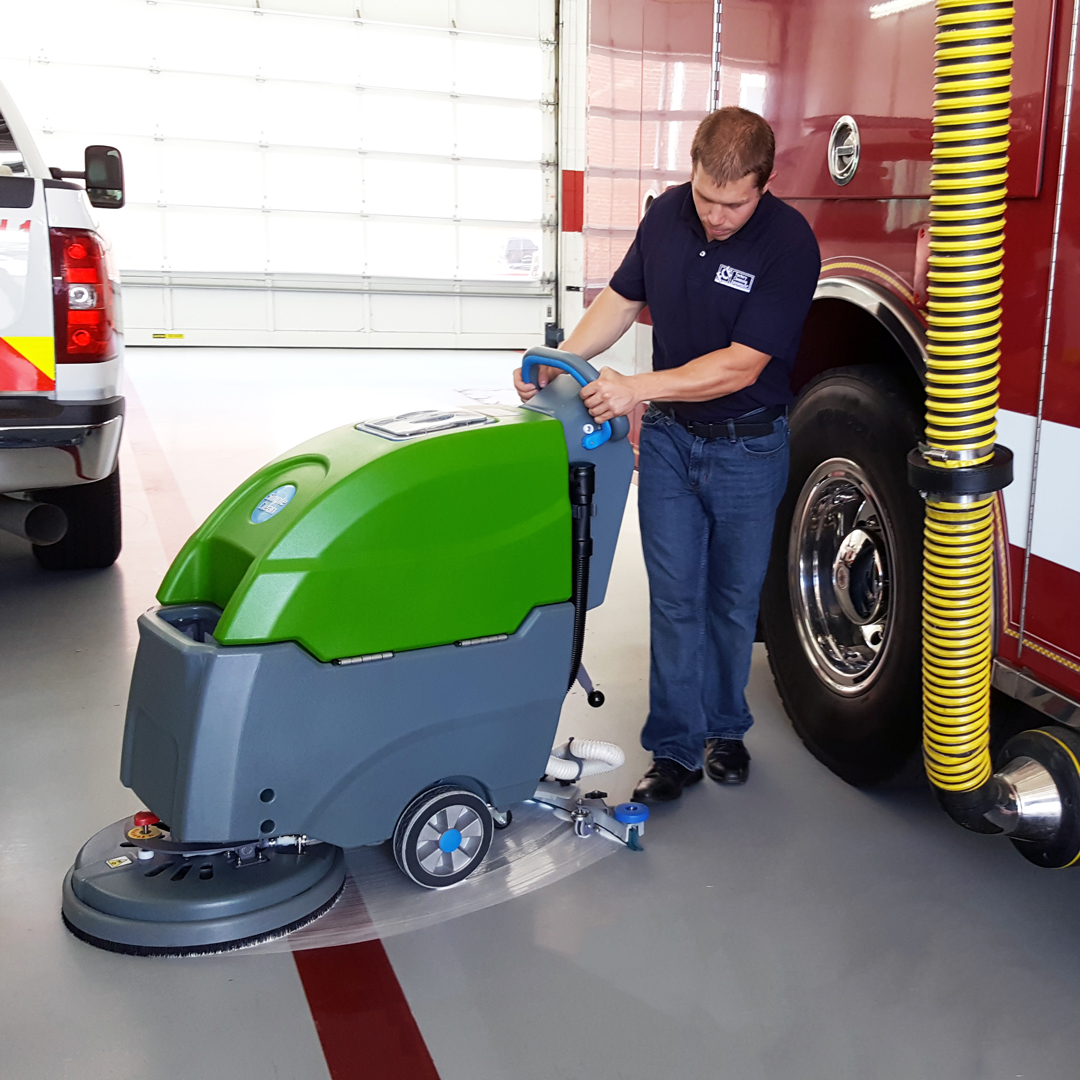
(706, 508)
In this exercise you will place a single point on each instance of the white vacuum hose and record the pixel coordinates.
(586, 757)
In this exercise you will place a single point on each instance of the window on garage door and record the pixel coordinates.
(403, 138)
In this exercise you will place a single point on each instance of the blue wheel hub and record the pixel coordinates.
(450, 840)
(631, 813)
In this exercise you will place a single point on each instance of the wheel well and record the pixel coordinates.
(838, 333)
(467, 783)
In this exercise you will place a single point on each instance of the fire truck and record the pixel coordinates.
(849, 88)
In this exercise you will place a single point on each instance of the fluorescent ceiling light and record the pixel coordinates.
(894, 7)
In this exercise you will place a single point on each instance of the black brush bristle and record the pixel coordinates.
(215, 949)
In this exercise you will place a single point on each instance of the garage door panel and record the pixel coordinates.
(219, 309)
(324, 138)
(318, 312)
(413, 314)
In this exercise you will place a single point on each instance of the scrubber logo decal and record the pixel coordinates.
(273, 503)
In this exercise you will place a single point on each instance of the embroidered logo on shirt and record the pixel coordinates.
(734, 279)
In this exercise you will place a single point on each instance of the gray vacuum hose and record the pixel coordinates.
(583, 757)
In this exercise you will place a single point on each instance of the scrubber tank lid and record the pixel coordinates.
(410, 425)
(399, 533)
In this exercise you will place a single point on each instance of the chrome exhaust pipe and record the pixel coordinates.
(1028, 802)
(1036, 795)
(40, 523)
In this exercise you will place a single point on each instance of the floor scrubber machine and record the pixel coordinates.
(370, 639)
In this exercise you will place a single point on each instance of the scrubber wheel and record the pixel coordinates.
(443, 836)
(172, 905)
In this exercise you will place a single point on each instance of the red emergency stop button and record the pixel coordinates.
(145, 827)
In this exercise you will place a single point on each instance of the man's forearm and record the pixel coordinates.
(710, 376)
(713, 375)
(605, 320)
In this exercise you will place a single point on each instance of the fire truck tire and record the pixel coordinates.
(92, 540)
(841, 606)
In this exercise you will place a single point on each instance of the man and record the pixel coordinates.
(728, 273)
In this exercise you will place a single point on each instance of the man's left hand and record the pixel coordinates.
(611, 395)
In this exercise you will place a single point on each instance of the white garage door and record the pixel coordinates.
(335, 172)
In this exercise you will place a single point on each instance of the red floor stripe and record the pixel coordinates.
(366, 1027)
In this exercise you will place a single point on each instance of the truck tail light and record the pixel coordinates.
(84, 311)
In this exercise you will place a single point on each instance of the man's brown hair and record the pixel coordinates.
(732, 142)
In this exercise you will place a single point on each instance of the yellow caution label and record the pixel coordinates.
(115, 864)
(144, 832)
(40, 351)
(167, 336)
(27, 364)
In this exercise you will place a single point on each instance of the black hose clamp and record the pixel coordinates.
(571, 756)
(985, 479)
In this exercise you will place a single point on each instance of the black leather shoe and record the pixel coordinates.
(726, 761)
(664, 782)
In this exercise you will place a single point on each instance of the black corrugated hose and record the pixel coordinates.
(582, 488)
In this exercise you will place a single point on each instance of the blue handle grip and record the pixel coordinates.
(584, 373)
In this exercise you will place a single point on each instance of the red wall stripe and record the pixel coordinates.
(365, 1025)
(573, 200)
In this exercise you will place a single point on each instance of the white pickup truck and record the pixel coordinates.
(61, 353)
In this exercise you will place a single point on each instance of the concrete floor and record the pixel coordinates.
(795, 929)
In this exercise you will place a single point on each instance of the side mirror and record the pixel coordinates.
(104, 177)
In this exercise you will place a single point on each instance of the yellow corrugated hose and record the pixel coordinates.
(973, 64)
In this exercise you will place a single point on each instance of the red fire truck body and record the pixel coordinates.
(851, 81)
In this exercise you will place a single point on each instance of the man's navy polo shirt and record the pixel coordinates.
(754, 288)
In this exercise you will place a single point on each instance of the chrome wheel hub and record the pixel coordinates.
(859, 578)
(840, 551)
(449, 840)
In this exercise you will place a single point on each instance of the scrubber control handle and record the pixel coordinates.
(585, 373)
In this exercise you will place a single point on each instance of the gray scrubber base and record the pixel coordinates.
(240, 906)
(248, 741)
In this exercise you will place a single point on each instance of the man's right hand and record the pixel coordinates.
(605, 320)
(543, 375)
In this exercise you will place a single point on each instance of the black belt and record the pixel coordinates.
(764, 423)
